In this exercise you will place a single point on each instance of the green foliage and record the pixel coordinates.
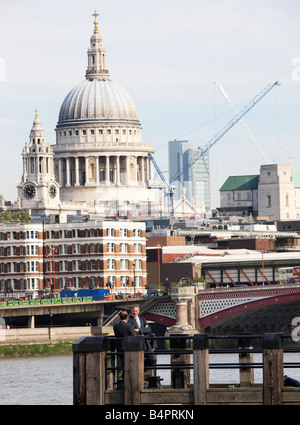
(190, 282)
(16, 217)
(36, 350)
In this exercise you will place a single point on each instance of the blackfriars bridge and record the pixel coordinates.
(268, 308)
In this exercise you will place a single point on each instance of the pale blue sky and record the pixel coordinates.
(167, 54)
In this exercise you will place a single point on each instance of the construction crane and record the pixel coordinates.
(244, 125)
(168, 189)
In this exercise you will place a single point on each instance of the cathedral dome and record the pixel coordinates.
(100, 161)
(97, 99)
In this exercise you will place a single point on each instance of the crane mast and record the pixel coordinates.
(244, 125)
(234, 121)
(168, 189)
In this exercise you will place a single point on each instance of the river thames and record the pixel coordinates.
(49, 380)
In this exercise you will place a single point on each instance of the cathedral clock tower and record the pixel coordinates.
(38, 190)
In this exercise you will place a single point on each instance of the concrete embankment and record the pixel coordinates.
(30, 342)
(46, 335)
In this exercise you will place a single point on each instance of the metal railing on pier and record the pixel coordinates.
(129, 377)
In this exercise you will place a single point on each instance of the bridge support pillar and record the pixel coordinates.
(100, 317)
(182, 296)
(31, 321)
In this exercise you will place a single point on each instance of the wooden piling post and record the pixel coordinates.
(89, 358)
(133, 369)
(272, 369)
(110, 374)
(246, 373)
(201, 368)
(177, 359)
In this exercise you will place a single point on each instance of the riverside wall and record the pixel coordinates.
(46, 335)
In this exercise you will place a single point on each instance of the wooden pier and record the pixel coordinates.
(98, 378)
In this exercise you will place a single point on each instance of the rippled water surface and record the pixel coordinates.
(49, 380)
(37, 381)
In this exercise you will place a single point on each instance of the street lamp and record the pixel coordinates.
(167, 284)
(51, 316)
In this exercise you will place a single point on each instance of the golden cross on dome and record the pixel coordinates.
(36, 113)
(96, 14)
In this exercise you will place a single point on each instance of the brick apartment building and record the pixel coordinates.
(88, 254)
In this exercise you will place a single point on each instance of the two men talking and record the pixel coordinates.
(135, 325)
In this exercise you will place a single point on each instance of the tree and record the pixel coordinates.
(6, 216)
(17, 217)
(22, 217)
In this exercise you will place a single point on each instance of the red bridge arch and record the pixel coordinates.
(223, 303)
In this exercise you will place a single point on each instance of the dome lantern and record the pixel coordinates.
(97, 99)
(96, 56)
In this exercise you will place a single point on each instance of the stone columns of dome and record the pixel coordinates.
(117, 171)
(127, 171)
(86, 159)
(76, 171)
(147, 169)
(142, 170)
(60, 176)
(135, 180)
(67, 172)
(107, 170)
(91, 170)
(97, 170)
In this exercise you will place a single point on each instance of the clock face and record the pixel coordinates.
(29, 191)
(52, 191)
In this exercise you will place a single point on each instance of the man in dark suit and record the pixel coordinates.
(139, 322)
(122, 329)
(142, 327)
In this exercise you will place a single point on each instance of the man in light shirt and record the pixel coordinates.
(141, 327)
(139, 323)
